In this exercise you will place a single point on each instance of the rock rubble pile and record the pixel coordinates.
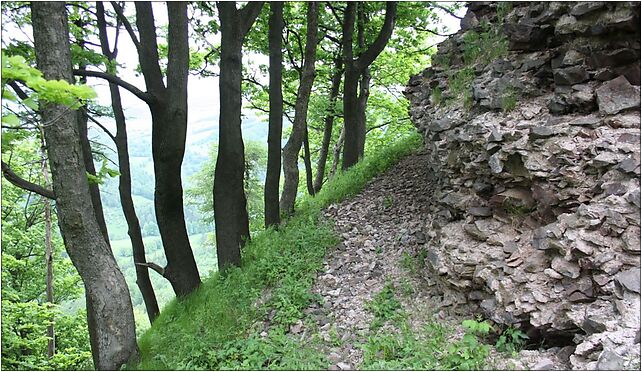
(537, 215)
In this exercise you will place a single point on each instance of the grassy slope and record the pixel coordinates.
(214, 328)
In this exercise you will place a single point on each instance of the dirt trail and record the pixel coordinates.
(382, 228)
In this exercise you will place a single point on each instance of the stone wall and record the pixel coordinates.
(538, 217)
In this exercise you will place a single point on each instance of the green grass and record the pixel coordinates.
(385, 307)
(213, 327)
(432, 348)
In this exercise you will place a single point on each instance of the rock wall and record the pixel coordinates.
(538, 217)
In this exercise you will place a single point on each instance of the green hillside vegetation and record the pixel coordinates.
(212, 328)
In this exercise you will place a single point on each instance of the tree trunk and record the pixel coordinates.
(351, 117)
(127, 204)
(328, 124)
(293, 146)
(230, 204)
(273, 174)
(169, 130)
(337, 152)
(307, 162)
(109, 311)
(49, 290)
(364, 84)
(81, 119)
(124, 181)
(354, 119)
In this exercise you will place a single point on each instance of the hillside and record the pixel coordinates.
(200, 138)
(411, 198)
(511, 241)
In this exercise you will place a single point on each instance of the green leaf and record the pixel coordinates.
(10, 119)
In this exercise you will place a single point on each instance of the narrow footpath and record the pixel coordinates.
(385, 230)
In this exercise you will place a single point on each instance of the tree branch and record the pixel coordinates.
(433, 32)
(382, 39)
(128, 26)
(148, 98)
(16, 88)
(153, 266)
(10, 176)
(248, 15)
(450, 12)
(113, 138)
(334, 12)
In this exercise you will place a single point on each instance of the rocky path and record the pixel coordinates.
(382, 228)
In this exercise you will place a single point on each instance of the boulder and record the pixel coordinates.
(617, 95)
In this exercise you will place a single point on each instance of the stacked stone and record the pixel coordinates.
(538, 213)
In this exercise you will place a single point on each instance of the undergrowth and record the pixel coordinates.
(215, 327)
(432, 348)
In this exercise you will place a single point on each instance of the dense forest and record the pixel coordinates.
(146, 146)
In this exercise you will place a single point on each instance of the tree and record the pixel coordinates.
(109, 310)
(355, 131)
(200, 194)
(273, 175)
(299, 126)
(328, 123)
(230, 205)
(125, 179)
(168, 107)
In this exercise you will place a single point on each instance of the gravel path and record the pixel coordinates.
(382, 229)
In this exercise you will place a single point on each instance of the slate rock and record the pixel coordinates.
(568, 24)
(617, 95)
(475, 232)
(570, 75)
(543, 365)
(610, 361)
(567, 269)
(572, 57)
(540, 132)
(585, 7)
(591, 326)
(630, 279)
(469, 21)
(480, 211)
(587, 121)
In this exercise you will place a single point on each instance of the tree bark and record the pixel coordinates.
(328, 124)
(94, 190)
(337, 152)
(109, 310)
(169, 130)
(273, 174)
(230, 205)
(307, 161)
(49, 289)
(364, 83)
(82, 118)
(125, 182)
(293, 146)
(354, 120)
